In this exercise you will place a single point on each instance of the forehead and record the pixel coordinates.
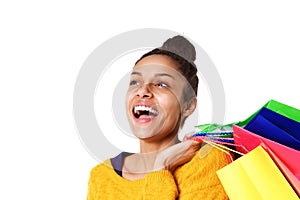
(157, 63)
(158, 59)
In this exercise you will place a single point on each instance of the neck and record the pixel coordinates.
(138, 165)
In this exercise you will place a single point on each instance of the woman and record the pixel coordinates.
(161, 95)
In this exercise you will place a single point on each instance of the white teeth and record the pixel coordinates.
(144, 108)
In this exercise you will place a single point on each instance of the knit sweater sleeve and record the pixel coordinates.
(198, 179)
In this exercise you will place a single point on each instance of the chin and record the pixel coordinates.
(145, 132)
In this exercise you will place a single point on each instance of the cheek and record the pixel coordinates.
(129, 95)
(171, 103)
(176, 96)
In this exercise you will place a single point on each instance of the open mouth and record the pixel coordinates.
(144, 111)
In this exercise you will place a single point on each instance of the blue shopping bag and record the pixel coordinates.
(276, 127)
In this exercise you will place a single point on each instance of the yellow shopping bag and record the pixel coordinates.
(255, 176)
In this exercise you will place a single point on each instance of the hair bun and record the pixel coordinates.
(180, 46)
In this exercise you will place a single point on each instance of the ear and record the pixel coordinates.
(189, 107)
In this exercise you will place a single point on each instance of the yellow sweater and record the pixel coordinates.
(194, 180)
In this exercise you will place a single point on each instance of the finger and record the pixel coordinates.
(188, 136)
(192, 145)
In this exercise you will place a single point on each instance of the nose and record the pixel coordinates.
(144, 91)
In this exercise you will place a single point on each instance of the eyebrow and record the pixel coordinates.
(136, 73)
(164, 74)
(156, 75)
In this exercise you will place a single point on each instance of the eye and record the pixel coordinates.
(162, 85)
(134, 83)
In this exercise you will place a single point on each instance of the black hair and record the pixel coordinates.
(183, 53)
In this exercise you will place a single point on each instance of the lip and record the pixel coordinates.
(144, 119)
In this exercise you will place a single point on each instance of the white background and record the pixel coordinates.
(255, 46)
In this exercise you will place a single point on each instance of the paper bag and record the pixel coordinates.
(255, 176)
(276, 127)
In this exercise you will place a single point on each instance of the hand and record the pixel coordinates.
(176, 155)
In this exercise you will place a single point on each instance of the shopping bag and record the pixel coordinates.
(276, 127)
(283, 109)
(287, 159)
(289, 175)
(255, 176)
(225, 129)
(278, 107)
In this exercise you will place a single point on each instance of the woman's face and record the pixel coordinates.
(154, 98)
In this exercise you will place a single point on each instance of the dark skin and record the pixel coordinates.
(157, 86)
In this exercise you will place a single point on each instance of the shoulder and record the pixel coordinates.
(199, 177)
(110, 166)
(208, 158)
(101, 169)
(102, 176)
